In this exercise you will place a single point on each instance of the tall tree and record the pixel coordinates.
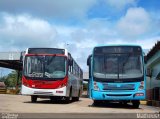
(11, 79)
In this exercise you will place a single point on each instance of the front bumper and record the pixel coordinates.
(99, 95)
(43, 92)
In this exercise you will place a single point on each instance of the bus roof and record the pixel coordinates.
(119, 45)
(47, 51)
(109, 49)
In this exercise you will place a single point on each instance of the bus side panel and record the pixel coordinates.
(69, 84)
(74, 83)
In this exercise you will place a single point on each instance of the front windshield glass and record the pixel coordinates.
(117, 66)
(45, 66)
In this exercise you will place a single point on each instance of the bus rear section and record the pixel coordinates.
(45, 74)
(117, 74)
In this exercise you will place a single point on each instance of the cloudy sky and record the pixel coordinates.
(78, 25)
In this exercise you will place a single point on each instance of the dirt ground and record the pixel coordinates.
(22, 104)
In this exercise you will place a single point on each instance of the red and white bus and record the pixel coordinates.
(51, 73)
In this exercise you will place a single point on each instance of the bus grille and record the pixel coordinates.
(118, 87)
(43, 93)
(118, 94)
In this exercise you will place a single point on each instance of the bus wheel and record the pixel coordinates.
(124, 102)
(52, 99)
(136, 103)
(33, 98)
(96, 102)
(76, 98)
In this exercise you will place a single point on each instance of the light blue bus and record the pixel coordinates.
(117, 73)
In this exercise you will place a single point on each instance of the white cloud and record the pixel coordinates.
(96, 31)
(24, 31)
(148, 43)
(135, 23)
(19, 32)
(120, 4)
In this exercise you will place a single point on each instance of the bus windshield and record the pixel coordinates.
(118, 66)
(45, 67)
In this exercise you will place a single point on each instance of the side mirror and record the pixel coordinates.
(89, 60)
(89, 64)
(145, 59)
(149, 72)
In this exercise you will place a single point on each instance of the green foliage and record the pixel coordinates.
(11, 79)
(2, 79)
(85, 86)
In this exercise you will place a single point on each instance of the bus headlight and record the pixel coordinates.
(96, 86)
(141, 87)
(62, 85)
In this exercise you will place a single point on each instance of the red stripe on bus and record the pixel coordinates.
(44, 84)
(46, 55)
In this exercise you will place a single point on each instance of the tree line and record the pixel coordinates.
(12, 79)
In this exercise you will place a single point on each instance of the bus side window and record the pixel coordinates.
(70, 63)
(68, 66)
(73, 68)
(76, 70)
(158, 76)
(79, 73)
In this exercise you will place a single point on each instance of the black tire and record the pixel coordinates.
(52, 99)
(76, 98)
(136, 103)
(97, 102)
(33, 98)
(124, 102)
